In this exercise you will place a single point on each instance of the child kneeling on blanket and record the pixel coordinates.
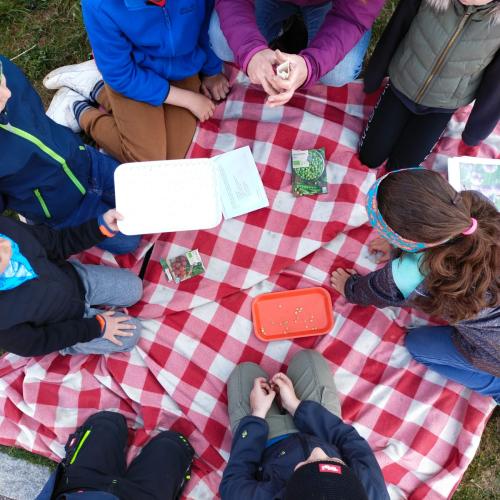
(306, 452)
(446, 263)
(95, 468)
(46, 302)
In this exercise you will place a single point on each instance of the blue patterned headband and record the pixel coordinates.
(377, 221)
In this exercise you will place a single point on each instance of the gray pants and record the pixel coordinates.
(107, 286)
(311, 379)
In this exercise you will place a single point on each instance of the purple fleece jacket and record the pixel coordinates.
(342, 29)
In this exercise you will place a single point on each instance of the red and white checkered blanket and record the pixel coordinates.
(423, 429)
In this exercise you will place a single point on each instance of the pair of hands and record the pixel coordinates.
(380, 247)
(261, 70)
(213, 88)
(116, 325)
(4, 93)
(264, 392)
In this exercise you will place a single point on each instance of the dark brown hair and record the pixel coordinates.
(462, 274)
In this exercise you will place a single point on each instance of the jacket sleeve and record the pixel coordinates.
(28, 340)
(343, 27)
(393, 34)
(312, 418)
(112, 52)
(213, 65)
(486, 111)
(239, 479)
(374, 289)
(61, 244)
(238, 23)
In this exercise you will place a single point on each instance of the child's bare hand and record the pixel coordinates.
(215, 87)
(381, 247)
(261, 397)
(111, 218)
(339, 278)
(289, 399)
(117, 326)
(201, 106)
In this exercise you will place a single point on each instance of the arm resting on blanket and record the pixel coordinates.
(377, 288)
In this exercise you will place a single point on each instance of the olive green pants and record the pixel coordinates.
(312, 380)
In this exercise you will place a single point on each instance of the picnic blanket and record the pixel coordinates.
(423, 429)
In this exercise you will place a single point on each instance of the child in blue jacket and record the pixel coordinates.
(47, 174)
(152, 55)
(298, 448)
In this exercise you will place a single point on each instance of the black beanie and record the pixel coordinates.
(324, 481)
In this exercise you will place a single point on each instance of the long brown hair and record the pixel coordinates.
(462, 274)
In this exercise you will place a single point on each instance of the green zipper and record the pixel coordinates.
(50, 152)
(40, 199)
(80, 444)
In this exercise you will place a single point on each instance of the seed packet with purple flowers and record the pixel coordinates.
(183, 267)
(478, 174)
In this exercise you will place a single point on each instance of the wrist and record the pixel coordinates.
(104, 227)
(292, 407)
(259, 413)
(102, 323)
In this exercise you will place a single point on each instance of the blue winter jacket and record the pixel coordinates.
(140, 47)
(255, 472)
(44, 167)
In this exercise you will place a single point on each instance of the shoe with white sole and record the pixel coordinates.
(83, 78)
(62, 107)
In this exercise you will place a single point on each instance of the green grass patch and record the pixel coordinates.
(26, 455)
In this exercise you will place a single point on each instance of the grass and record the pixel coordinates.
(51, 33)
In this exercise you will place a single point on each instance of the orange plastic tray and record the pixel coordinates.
(291, 314)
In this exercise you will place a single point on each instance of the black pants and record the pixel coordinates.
(95, 460)
(399, 136)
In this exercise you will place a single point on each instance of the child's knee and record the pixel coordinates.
(128, 343)
(136, 289)
(368, 159)
(414, 342)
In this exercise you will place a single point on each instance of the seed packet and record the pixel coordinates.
(309, 172)
(183, 267)
(283, 70)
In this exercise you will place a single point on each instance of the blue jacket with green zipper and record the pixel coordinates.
(44, 167)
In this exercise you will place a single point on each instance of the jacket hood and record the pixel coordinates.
(444, 4)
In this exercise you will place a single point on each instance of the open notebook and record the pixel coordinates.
(183, 195)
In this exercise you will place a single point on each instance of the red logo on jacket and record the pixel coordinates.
(331, 468)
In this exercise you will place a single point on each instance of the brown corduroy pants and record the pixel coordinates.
(135, 131)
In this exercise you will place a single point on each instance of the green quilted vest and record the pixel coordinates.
(441, 60)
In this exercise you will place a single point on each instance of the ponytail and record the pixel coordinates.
(462, 274)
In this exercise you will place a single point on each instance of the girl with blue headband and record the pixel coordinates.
(443, 253)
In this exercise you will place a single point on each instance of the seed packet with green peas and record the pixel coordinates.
(309, 172)
(183, 267)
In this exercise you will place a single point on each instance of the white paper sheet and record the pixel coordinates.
(167, 196)
(240, 186)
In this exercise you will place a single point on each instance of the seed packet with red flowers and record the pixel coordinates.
(183, 267)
